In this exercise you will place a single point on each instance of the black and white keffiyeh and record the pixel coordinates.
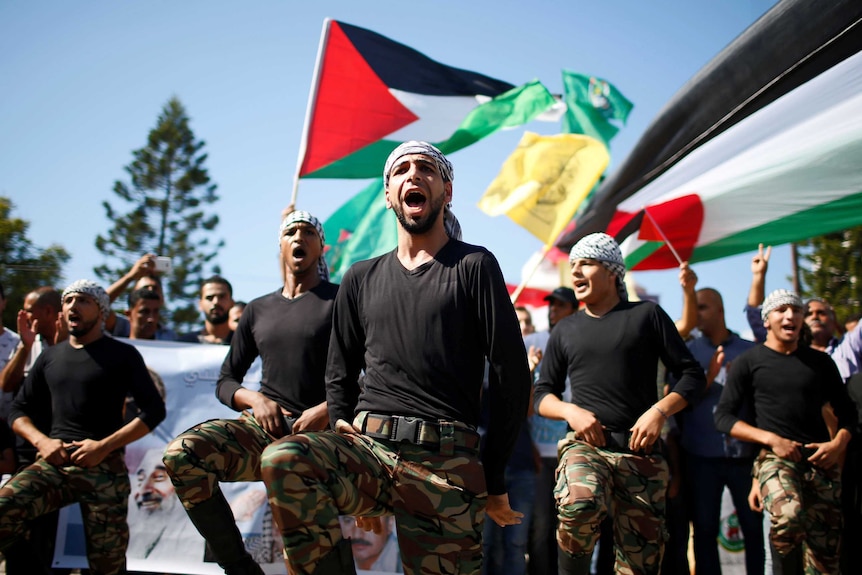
(93, 290)
(604, 249)
(778, 298)
(297, 216)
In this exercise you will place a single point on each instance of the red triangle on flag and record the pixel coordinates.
(677, 222)
(649, 231)
(353, 108)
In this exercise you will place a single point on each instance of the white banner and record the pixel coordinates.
(162, 538)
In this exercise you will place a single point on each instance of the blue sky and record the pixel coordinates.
(83, 82)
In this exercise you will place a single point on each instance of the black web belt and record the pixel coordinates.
(430, 434)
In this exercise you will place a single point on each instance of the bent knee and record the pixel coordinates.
(584, 510)
(176, 454)
(278, 458)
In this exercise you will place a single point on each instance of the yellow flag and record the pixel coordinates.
(542, 183)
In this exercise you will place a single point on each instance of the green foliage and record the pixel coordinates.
(23, 266)
(166, 196)
(834, 270)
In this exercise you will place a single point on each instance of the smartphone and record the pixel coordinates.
(163, 264)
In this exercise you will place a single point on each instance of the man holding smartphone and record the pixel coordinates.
(147, 274)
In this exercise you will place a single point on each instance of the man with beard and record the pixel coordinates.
(798, 470)
(420, 322)
(215, 303)
(79, 387)
(289, 329)
(158, 525)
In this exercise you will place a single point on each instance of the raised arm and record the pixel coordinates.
(146, 264)
(759, 265)
(688, 282)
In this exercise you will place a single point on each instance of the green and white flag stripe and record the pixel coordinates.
(787, 172)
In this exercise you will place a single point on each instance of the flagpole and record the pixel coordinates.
(663, 237)
(309, 110)
(517, 293)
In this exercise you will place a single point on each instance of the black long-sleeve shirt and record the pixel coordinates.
(612, 361)
(787, 392)
(291, 337)
(422, 336)
(81, 391)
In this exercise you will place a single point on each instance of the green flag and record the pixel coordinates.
(360, 229)
(592, 102)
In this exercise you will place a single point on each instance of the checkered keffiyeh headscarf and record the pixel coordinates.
(778, 298)
(305, 217)
(450, 222)
(605, 249)
(416, 147)
(93, 290)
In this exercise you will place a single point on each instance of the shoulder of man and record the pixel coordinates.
(112, 344)
(326, 290)
(357, 271)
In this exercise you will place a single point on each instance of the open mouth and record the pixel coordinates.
(414, 199)
(299, 252)
(149, 502)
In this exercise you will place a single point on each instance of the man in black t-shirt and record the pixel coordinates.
(78, 387)
(611, 463)
(798, 469)
(289, 329)
(419, 322)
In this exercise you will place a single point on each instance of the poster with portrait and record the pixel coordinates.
(162, 538)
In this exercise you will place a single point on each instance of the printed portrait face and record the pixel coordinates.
(367, 545)
(152, 489)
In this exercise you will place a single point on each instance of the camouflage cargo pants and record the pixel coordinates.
(102, 491)
(212, 451)
(593, 483)
(804, 504)
(438, 499)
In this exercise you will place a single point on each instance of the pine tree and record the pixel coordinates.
(834, 270)
(168, 189)
(23, 266)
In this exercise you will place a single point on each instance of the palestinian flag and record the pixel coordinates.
(371, 93)
(763, 145)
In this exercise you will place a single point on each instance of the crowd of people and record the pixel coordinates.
(414, 403)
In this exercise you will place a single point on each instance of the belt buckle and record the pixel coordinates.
(406, 429)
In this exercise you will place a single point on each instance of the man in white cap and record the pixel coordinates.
(611, 463)
(77, 390)
(798, 469)
(420, 322)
